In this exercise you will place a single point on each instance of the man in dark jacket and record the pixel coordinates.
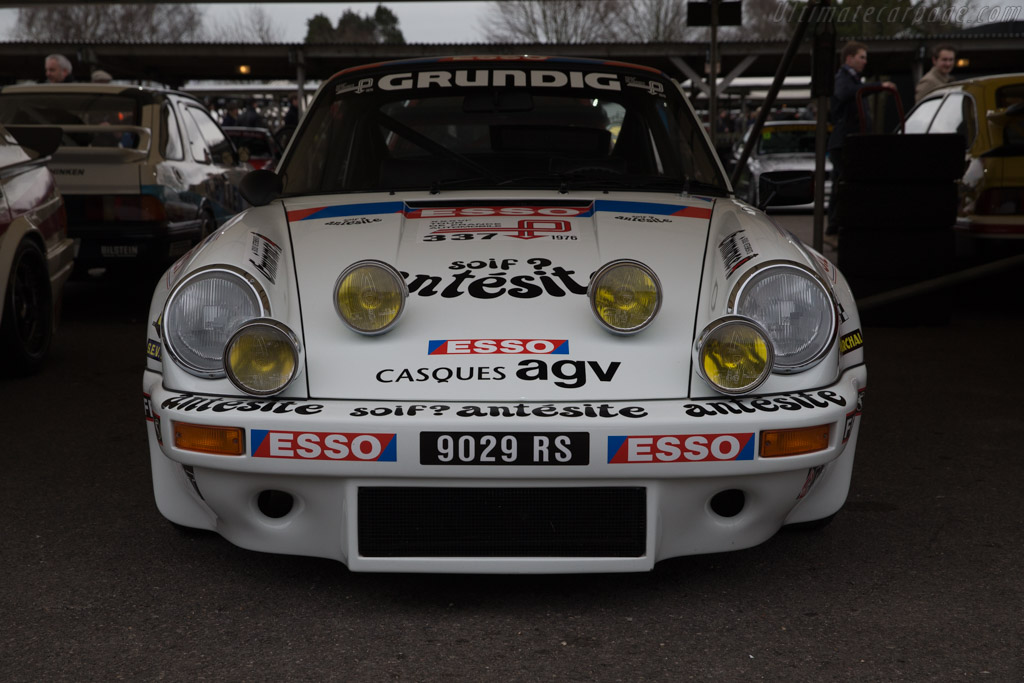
(844, 115)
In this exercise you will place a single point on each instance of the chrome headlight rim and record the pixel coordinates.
(714, 325)
(395, 275)
(759, 271)
(289, 335)
(262, 300)
(611, 265)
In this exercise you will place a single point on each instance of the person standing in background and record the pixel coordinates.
(58, 69)
(844, 115)
(943, 61)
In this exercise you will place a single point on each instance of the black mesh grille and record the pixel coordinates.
(502, 522)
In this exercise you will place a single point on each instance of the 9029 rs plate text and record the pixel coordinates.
(504, 448)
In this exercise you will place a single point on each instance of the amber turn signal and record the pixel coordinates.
(207, 439)
(779, 443)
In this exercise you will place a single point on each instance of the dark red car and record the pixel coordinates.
(261, 149)
(36, 255)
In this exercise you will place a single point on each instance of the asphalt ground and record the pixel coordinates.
(917, 579)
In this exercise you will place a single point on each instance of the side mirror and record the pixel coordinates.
(786, 188)
(259, 188)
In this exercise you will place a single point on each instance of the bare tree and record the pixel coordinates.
(552, 21)
(654, 21)
(593, 21)
(250, 25)
(142, 22)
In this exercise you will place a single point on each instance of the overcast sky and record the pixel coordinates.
(421, 22)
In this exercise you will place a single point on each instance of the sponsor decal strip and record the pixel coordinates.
(322, 212)
(375, 208)
(600, 410)
(851, 342)
(680, 448)
(654, 209)
(324, 446)
(264, 255)
(798, 400)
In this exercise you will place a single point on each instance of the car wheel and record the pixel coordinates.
(27, 327)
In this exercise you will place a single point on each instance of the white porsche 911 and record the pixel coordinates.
(501, 315)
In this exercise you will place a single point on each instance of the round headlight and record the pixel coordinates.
(370, 296)
(262, 357)
(734, 355)
(625, 296)
(202, 313)
(796, 310)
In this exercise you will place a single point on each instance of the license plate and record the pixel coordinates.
(504, 448)
(120, 250)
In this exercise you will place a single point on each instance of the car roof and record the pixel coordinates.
(104, 88)
(983, 81)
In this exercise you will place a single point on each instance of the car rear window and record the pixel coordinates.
(74, 109)
(1009, 95)
(256, 144)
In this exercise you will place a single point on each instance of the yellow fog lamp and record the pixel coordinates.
(734, 355)
(779, 443)
(625, 296)
(370, 296)
(262, 357)
(209, 439)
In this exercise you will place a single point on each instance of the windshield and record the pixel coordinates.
(507, 124)
(787, 140)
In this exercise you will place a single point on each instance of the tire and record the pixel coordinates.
(898, 158)
(27, 327)
(906, 207)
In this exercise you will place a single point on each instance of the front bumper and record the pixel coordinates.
(681, 497)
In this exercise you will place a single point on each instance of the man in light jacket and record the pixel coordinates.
(943, 61)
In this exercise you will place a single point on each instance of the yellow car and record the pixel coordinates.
(989, 113)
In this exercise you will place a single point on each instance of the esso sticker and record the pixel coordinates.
(478, 211)
(448, 347)
(324, 446)
(680, 448)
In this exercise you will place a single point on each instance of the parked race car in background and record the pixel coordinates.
(256, 146)
(145, 173)
(502, 314)
(782, 147)
(35, 251)
(989, 113)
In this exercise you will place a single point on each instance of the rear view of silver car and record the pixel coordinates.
(146, 173)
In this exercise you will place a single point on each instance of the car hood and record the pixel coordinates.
(497, 309)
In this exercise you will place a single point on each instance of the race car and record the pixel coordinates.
(501, 314)
(145, 172)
